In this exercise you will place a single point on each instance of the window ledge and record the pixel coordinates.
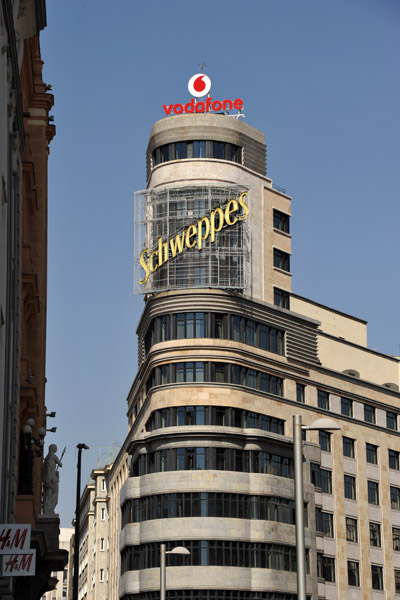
(282, 271)
(284, 233)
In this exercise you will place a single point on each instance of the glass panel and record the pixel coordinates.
(180, 326)
(189, 372)
(236, 329)
(199, 325)
(199, 371)
(180, 372)
(347, 407)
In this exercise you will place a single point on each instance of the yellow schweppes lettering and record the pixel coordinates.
(195, 235)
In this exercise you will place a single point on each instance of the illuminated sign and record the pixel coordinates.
(194, 235)
(199, 85)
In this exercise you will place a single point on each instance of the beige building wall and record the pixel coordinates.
(86, 542)
(327, 371)
(333, 322)
(117, 477)
(101, 529)
(99, 560)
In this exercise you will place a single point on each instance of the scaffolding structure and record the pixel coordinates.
(167, 213)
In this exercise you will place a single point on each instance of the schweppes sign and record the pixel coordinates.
(195, 235)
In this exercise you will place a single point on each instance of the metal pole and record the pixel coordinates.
(299, 503)
(163, 572)
(77, 520)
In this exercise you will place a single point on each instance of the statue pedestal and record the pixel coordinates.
(50, 526)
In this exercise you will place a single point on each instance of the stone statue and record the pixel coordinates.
(50, 480)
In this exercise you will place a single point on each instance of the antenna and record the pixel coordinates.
(202, 67)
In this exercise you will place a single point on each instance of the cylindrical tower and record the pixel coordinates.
(211, 441)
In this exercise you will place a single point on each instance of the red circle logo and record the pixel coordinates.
(199, 85)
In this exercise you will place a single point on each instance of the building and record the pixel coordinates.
(63, 577)
(94, 532)
(99, 532)
(26, 131)
(227, 355)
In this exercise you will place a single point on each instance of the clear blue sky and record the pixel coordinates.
(320, 78)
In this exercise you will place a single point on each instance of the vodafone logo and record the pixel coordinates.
(199, 85)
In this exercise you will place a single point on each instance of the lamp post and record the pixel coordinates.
(77, 520)
(325, 424)
(163, 566)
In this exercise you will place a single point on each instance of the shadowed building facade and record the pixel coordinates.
(26, 130)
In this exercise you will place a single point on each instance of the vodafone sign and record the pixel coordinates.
(199, 85)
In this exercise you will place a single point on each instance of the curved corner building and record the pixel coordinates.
(227, 354)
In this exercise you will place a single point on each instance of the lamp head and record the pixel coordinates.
(324, 423)
(178, 550)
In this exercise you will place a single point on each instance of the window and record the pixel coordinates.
(324, 522)
(369, 413)
(281, 260)
(215, 552)
(103, 485)
(281, 221)
(350, 487)
(103, 514)
(197, 149)
(102, 545)
(101, 575)
(391, 420)
(300, 393)
(325, 567)
(325, 441)
(326, 481)
(182, 459)
(315, 474)
(216, 372)
(323, 400)
(375, 534)
(347, 407)
(377, 577)
(373, 492)
(281, 298)
(395, 497)
(187, 325)
(397, 581)
(396, 539)
(351, 530)
(353, 573)
(372, 454)
(209, 504)
(348, 447)
(393, 460)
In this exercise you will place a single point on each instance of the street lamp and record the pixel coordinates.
(325, 424)
(77, 520)
(163, 566)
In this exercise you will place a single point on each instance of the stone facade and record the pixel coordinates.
(26, 130)
(210, 419)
